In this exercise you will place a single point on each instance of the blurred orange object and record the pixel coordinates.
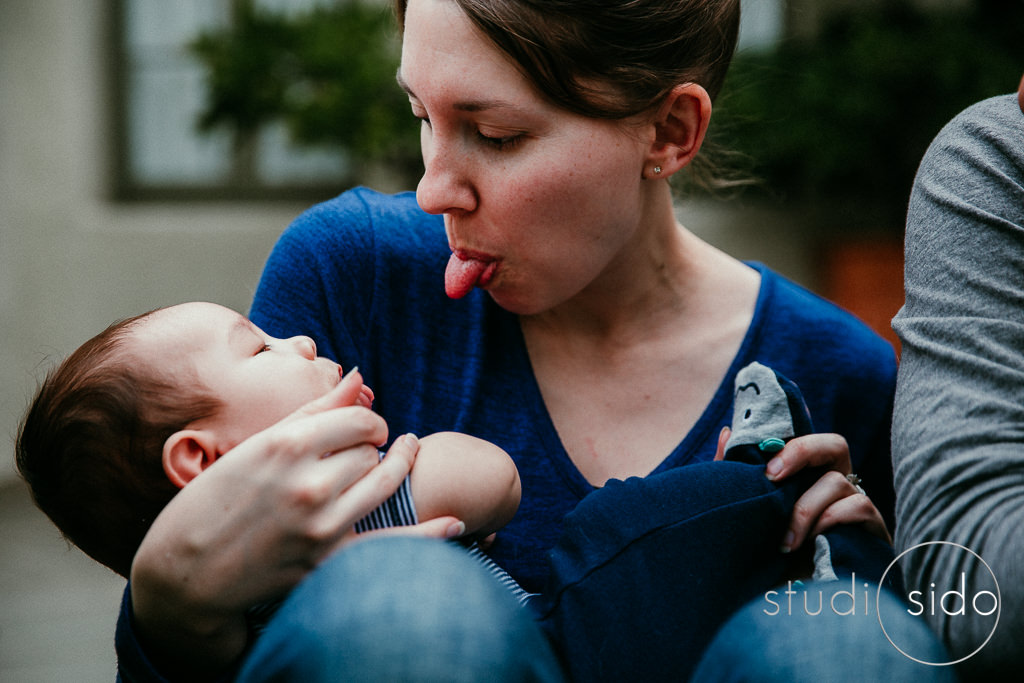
(866, 278)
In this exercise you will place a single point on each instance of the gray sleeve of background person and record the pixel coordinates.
(958, 431)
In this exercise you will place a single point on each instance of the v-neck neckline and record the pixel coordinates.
(712, 418)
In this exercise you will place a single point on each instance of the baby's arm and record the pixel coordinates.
(467, 478)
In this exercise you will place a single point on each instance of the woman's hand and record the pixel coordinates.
(833, 499)
(257, 520)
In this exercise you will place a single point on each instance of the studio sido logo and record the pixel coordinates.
(970, 596)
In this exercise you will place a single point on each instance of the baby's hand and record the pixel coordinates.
(365, 397)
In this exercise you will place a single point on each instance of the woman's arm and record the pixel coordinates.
(461, 476)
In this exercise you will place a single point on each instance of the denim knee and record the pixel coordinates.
(401, 609)
(823, 631)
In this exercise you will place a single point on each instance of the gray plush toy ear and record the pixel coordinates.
(761, 415)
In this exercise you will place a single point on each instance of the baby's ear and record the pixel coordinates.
(186, 454)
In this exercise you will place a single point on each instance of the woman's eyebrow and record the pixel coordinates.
(469, 105)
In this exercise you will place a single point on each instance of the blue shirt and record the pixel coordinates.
(363, 275)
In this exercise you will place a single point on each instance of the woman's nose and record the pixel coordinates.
(445, 186)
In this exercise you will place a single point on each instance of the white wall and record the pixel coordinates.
(70, 261)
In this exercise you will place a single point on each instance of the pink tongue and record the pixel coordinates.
(461, 276)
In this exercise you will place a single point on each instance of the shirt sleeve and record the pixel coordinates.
(133, 665)
(958, 430)
(398, 510)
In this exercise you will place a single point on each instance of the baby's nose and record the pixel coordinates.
(305, 346)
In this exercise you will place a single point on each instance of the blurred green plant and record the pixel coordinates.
(848, 116)
(328, 74)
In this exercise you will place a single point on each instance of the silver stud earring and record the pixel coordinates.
(657, 170)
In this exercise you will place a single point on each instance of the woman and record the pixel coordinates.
(585, 330)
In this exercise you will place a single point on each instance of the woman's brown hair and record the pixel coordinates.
(613, 59)
(610, 59)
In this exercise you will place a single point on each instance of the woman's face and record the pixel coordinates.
(541, 201)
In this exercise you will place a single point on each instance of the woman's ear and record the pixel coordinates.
(680, 126)
(187, 453)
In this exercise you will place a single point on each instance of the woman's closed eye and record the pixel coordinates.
(501, 143)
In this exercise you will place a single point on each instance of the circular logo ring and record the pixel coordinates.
(881, 582)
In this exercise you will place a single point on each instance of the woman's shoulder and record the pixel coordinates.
(789, 301)
(348, 249)
(797, 321)
(362, 214)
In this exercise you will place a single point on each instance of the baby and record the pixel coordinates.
(141, 409)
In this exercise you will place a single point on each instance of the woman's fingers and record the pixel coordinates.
(342, 488)
(341, 428)
(439, 527)
(832, 500)
(379, 484)
(855, 509)
(812, 450)
(316, 435)
(348, 392)
(723, 438)
(320, 482)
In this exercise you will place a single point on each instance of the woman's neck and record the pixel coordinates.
(627, 367)
(658, 280)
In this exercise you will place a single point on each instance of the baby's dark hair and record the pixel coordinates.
(90, 446)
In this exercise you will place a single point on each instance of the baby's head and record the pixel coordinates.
(145, 406)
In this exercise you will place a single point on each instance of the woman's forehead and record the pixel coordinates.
(443, 53)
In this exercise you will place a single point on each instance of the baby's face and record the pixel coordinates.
(258, 378)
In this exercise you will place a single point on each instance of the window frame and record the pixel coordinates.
(241, 184)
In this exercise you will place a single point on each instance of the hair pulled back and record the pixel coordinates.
(610, 59)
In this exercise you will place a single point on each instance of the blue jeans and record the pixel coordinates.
(401, 609)
(805, 637)
(643, 577)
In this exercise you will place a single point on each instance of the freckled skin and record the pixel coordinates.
(556, 210)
